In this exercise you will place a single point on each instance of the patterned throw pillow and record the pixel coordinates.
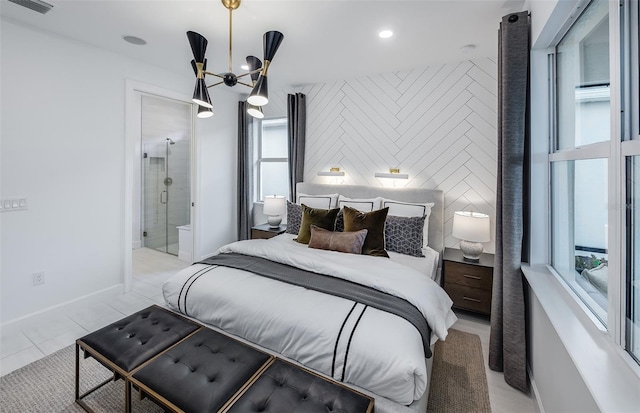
(340, 222)
(404, 235)
(373, 221)
(294, 216)
(349, 242)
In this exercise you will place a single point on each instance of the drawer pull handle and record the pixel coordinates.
(473, 277)
(471, 299)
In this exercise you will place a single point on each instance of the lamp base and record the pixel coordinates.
(274, 221)
(471, 251)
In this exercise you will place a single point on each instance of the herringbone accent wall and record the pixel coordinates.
(437, 124)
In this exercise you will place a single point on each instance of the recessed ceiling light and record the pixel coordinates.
(134, 40)
(385, 34)
(468, 48)
(244, 67)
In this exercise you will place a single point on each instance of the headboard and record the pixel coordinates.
(436, 220)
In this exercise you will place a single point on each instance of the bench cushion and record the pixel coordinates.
(203, 372)
(135, 339)
(286, 388)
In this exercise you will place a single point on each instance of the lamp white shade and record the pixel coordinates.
(471, 226)
(274, 205)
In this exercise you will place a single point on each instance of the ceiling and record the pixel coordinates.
(324, 40)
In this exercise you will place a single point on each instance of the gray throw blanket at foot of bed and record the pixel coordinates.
(329, 285)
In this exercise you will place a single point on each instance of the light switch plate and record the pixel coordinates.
(13, 204)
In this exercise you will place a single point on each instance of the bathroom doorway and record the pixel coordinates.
(166, 130)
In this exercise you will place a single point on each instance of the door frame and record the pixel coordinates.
(133, 111)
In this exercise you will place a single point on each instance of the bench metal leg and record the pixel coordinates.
(79, 396)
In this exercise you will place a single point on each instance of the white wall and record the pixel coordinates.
(216, 197)
(438, 124)
(63, 112)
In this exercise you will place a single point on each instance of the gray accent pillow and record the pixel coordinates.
(294, 217)
(404, 235)
(349, 242)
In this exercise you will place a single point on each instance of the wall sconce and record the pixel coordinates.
(394, 173)
(332, 172)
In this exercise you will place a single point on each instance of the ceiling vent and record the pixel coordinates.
(35, 5)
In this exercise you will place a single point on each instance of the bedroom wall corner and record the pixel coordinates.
(438, 124)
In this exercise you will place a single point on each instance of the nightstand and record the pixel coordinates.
(469, 284)
(265, 232)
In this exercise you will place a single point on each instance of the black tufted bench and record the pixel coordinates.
(126, 344)
(200, 374)
(286, 388)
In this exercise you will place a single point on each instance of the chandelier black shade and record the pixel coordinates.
(271, 41)
(254, 64)
(257, 70)
(204, 112)
(198, 45)
(201, 94)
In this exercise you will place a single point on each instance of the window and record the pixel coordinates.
(630, 149)
(579, 163)
(272, 164)
(594, 166)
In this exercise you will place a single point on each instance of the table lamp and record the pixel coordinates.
(472, 228)
(274, 207)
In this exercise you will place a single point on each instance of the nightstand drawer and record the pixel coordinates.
(468, 298)
(468, 275)
(257, 234)
(264, 231)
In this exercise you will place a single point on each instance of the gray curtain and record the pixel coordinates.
(508, 342)
(244, 174)
(297, 131)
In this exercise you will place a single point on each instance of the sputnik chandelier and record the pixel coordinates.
(257, 71)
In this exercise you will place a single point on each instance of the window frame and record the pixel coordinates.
(259, 159)
(624, 142)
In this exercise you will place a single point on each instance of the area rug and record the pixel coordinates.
(459, 383)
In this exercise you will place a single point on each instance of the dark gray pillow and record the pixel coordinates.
(404, 235)
(294, 217)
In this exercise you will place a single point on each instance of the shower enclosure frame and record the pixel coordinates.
(132, 172)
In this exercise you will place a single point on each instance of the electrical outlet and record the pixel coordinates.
(38, 278)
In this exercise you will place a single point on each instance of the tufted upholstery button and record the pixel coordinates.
(124, 342)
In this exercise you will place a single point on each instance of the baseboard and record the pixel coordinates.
(137, 245)
(107, 292)
(537, 401)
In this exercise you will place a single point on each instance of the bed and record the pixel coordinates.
(356, 319)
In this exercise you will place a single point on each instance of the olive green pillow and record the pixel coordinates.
(373, 221)
(322, 218)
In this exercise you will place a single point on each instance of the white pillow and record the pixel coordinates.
(411, 209)
(362, 204)
(328, 201)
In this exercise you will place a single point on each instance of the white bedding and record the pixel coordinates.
(382, 353)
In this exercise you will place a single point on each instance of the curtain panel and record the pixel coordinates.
(508, 341)
(297, 132)
(245, 189)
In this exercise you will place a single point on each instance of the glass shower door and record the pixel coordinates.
(166, 193)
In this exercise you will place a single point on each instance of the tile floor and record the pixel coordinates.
(32, 339)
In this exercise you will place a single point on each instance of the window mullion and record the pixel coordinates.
(616, 219)
(593, 151)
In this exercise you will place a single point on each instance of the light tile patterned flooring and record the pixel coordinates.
(27, 341)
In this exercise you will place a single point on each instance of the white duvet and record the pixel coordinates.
(351, 342)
